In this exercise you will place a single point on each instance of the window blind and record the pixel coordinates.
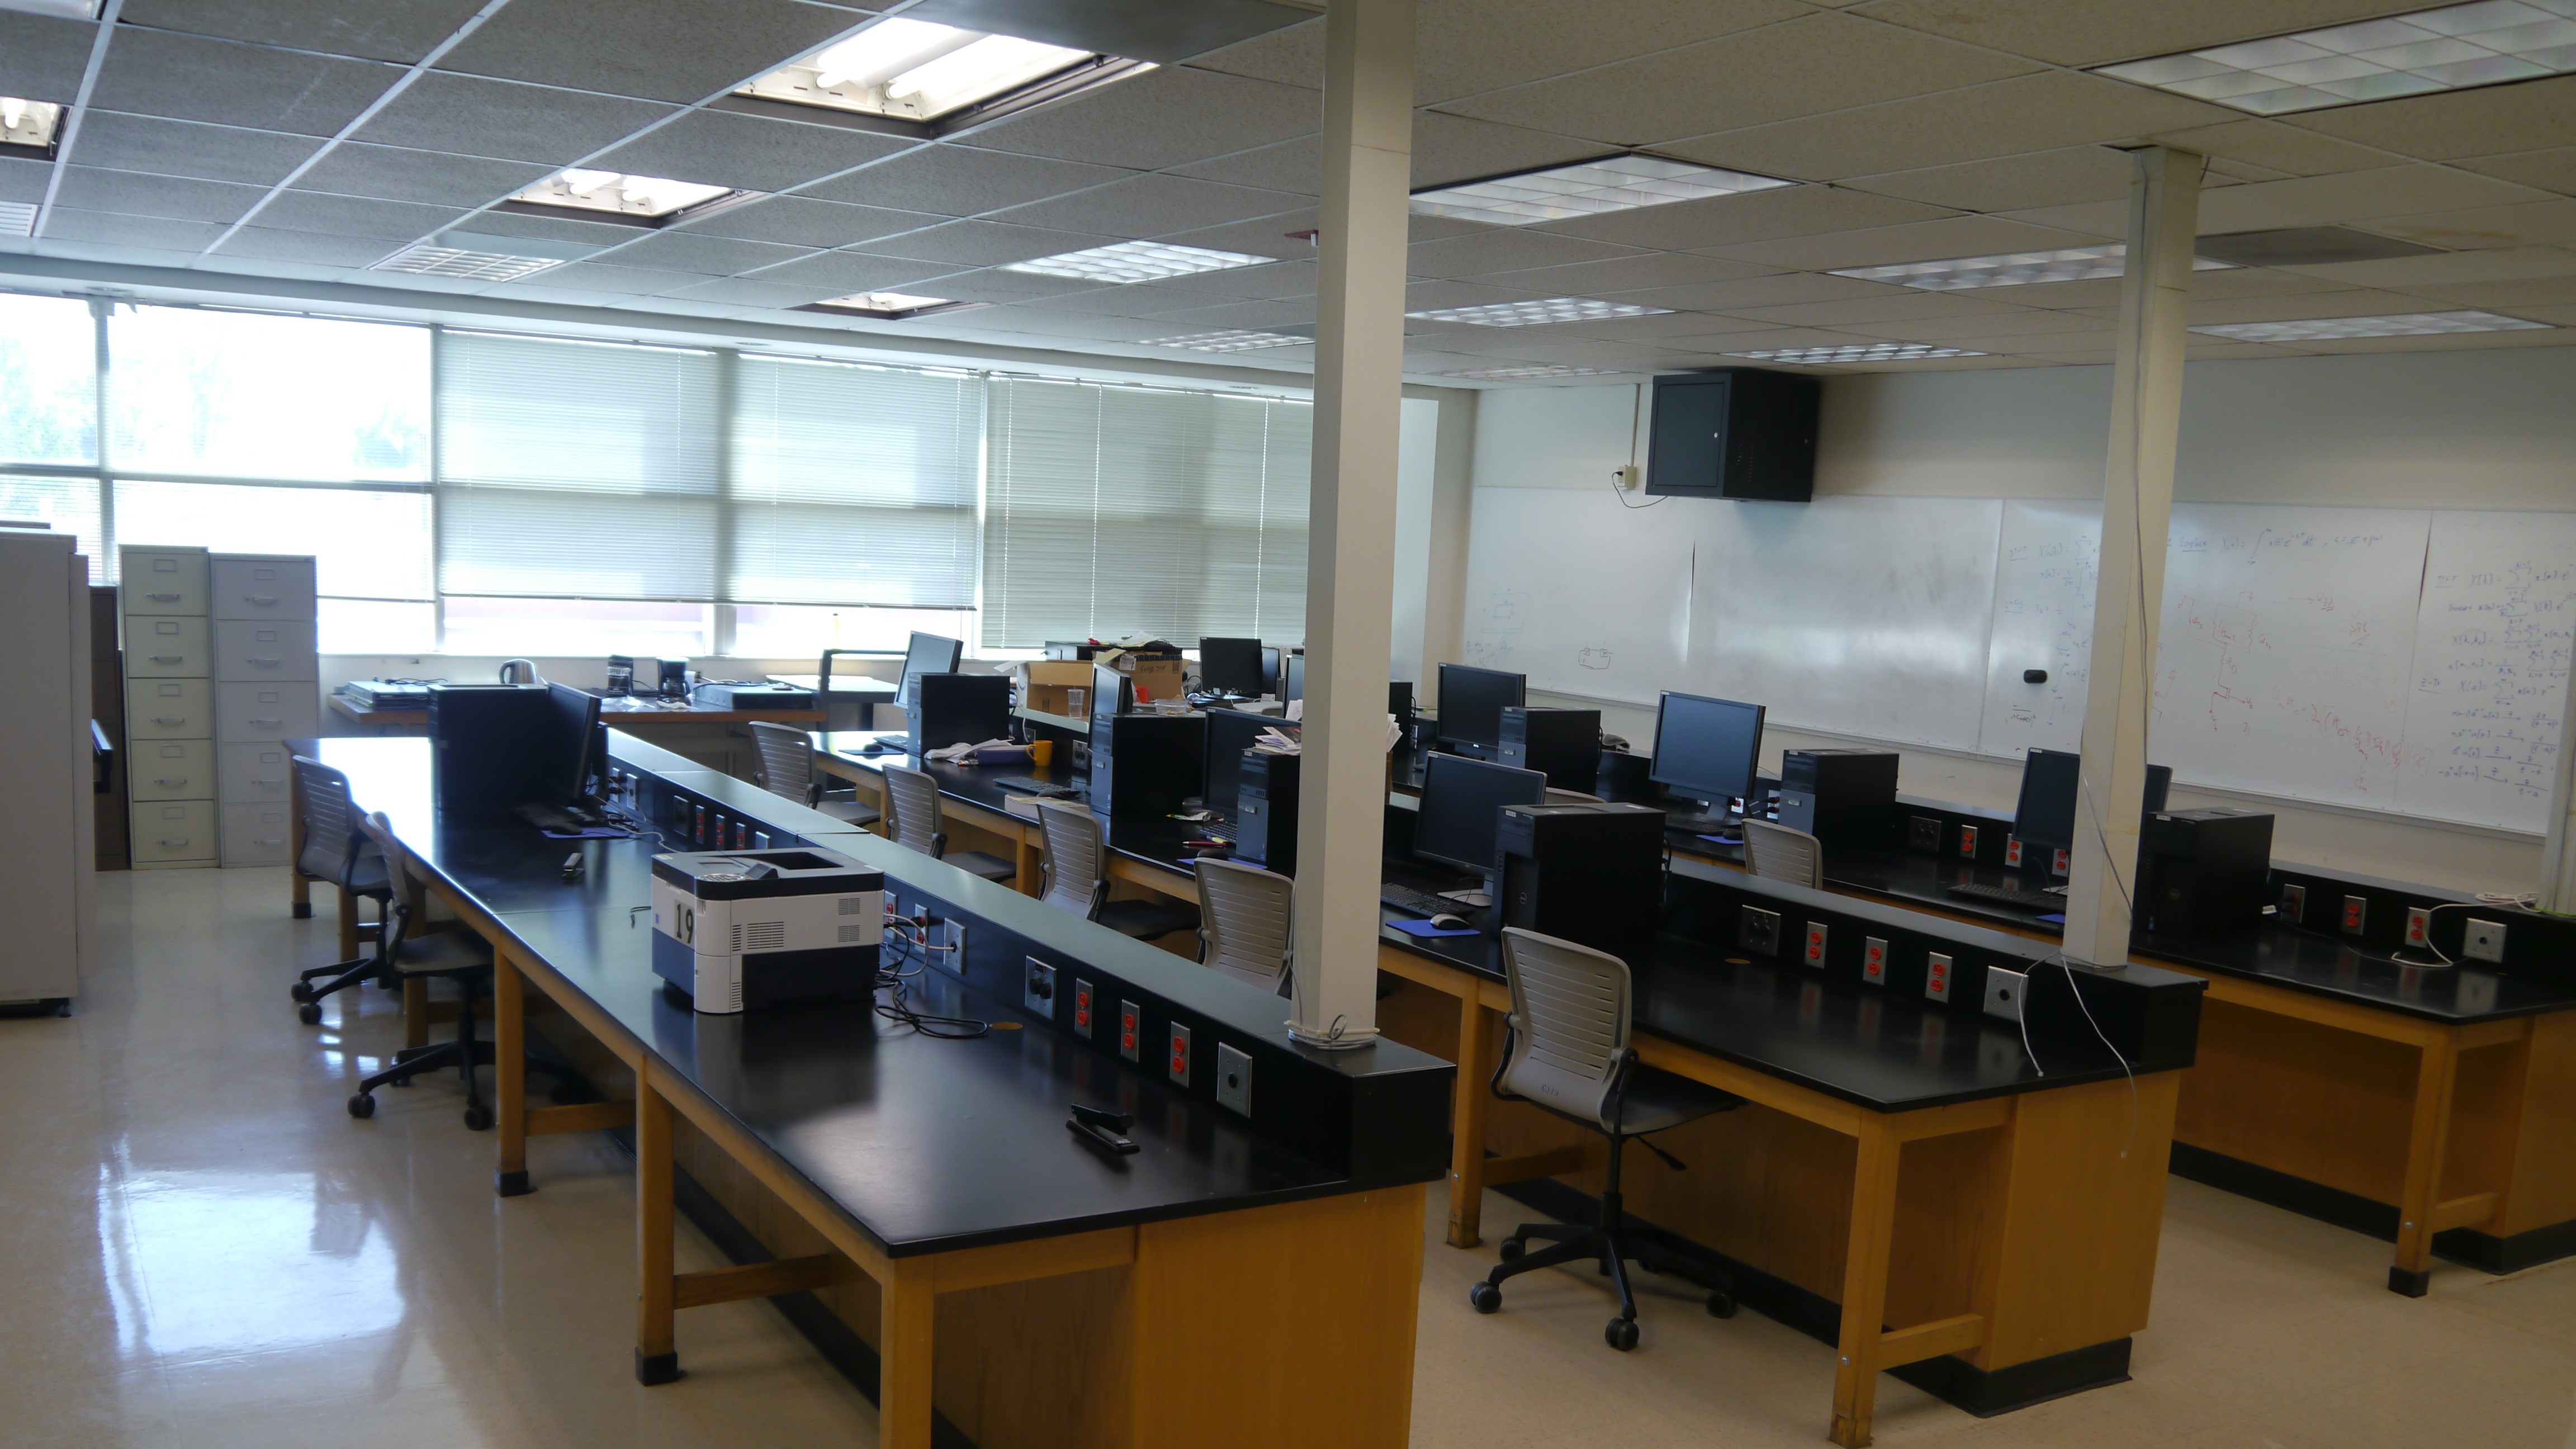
(577, 469)
(1111, 510)
(853, 485)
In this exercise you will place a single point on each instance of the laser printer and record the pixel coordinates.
(744, 929)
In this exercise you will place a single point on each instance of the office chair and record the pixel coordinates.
(1077, 878)
(787, 768)
(410, 951)
(335, 851)
(1556, 796)
(1567, 1052)
(913, 798)
(1245, 916)
(1776, 852)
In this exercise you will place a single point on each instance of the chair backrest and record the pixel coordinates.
(330, 840)
(1776, 852)
(1569, 1024)
(1071, 838)
(786, 760)
(377, 830)
(1244, 920)
(1556, 796)
(912, 801)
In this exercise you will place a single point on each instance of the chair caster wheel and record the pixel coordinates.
(362, 1106)
(300, 992)
(1511, 1248)
(1484, 1297)
(310, 1013)
(1721, 1304)
(478, 1118)
(1622, 1334)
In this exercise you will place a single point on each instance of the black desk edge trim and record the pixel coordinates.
(2465, 1246)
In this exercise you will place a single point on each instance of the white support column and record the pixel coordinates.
(1350, 552)
(2137, 504)
(2558, 851)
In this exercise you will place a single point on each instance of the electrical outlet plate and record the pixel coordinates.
(1923, 833)
(1758, 931)
(1037, 991)
(2482, 941)
(2003, 992)
(1233, 1079)
(1936, 977)
(1873, 961)
(1083, 1014)
(1131, 1026)
(2356, 914)
(1968, 842)
(1813, 951)
(2419, 925)
(1180, 1054)
(2294, 903)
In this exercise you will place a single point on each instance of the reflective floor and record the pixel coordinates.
(198, 1247)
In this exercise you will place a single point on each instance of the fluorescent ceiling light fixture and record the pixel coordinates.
(891, 306)
(1528, 372)
(1586, 188)
(2408, 324)
(1233, 341)
(620, 194)
(67, 9)
(17, 218)
(28, 123)
(2451, 48)
(919, 71)
(1539, 313)
(464, 265)
(1137, 261)
(2012, 269)
(1858, 352)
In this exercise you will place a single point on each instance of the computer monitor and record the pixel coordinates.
(572, 732)
(1462, 805)
(1705, 748)
(1292, 678)
(1230, 732)
(1112, 694)
(1270, 661)
(2051, 785)
(926, 654)
(1472, 702)
(1230, 666)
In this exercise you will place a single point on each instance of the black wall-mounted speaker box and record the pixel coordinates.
(1737, 432)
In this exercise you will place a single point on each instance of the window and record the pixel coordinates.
(1128, 509)
(48, 381)
(69, 504)
(792, 631)
(371, 548)
(243, 395)
(594, 627)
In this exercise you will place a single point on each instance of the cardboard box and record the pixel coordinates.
(1045, 683)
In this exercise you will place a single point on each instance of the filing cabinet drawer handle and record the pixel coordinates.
(163, 598)
(268, 782)
(172, 784)
(265, 601)
(169, 658)
(173, 844)
(168, 721)
(265, 662)
(269, 842)
(258, 721)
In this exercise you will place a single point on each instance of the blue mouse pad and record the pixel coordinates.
(1722, 839)
(2059, 919)
(1425, 928)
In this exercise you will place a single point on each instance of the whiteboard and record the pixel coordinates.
(2286, 660)
(2490, 675)
(1852, 615)
(1582, 591)
(2045, 575)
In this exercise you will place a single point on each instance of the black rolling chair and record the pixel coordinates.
(1568, 1053)
(336, 851)
(408, 951)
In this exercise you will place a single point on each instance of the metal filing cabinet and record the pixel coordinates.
(169, 705)
(267, 691)
(48, 879)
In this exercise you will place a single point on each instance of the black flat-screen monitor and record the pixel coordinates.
(1230, 666)
(2051, 786)
(1230, 732)
(572, 733)
(1272, 657)
(1472, 702)
(1112, 694)
(1705, 749)
(926, 654)
(1462, 805)
(1292, 678)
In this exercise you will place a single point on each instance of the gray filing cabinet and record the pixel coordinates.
(267, 691)
(48, 877)
(169, 705)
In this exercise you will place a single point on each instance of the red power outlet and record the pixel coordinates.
(2012, 850)
(2057, 861)
(1815, 944)
(1873, 962)
(1936, 977)
(2356, 910)
(1082, 1007)
(1968, 842)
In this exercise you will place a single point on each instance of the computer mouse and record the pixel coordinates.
(1447, 922)
(1213, 852)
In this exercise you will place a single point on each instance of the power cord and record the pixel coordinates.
(1635, 414)
(2064, 964)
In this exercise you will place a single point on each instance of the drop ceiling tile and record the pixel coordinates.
(2088, 35)
(160, 232)
(1449, 149)
(992, 284)
(2490, 121)
(983, 243)
(1918, 307)
(269, 244)
(840, 273)
(24, 180)
(2483, 266)
(1777, 289)
(188, 78)
(1437, 294)
(2013, 322)
(797, 221)
(103, 252)
(2101, 295)
(2532, 223)
(1292, 55)
(714, 256)
(600, 277)
(2354, 196)
(471, 116)
(1625, 273)
(42, 57)
(2224, 170)
(1152, 206)
(88, 188)
(2551, 170)
(1274, 280)
(186, 148)
(1469, 46)
(550, 228)
(1719, 221)
(1292, 166)
(1921, 241)
(2096, 219)
(2434, 342)
(430, 178)
(954, 180)
(2042, 178)
(1255, 315)
(748, 153)
(1747, 340)
(1163, 118)
(2277, 146)
(1270, 236)
(1038, 322)
(396, 30)
(1656, 328)
(1506, 249)
(751, 292)
(664, 50)
(1821, 62)
(351, 216)
(2342, 302)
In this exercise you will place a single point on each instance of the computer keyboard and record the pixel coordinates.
(563, 822)
(1029, 785)
(2006, 896)
(1414, 902)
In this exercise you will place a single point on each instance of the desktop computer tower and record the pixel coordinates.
(1845, 798)
(1146, 764)
(958, 709)
(1265, 812)
(2202, 874)
(483, 746)
(1587, 873)
(1562, 744)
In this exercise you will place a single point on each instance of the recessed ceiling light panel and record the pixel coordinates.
(1858, 352)
(915, 70)
(457, 262)
(647, 198)
(1136, 261)
(1528, 373)
(17, 218)
(2011, 269)
(1539, 312)
(28, 123)
(2333, 329)
(2450, 48)
(1231, 341)
(67, 9)
(889, 306)
(1586, 188)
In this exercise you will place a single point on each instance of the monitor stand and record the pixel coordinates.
(1721, 822)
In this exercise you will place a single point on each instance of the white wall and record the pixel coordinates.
(2487, 429)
